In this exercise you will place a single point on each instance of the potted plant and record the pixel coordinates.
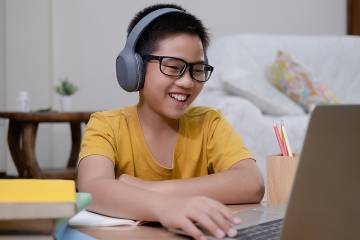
(66, 89)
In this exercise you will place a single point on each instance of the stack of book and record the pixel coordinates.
(38, 208)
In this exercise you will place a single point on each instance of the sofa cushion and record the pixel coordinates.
(245, 84)
(297, 82)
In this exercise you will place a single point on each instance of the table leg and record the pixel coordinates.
(21, 138)
(75, 146)
(28, 151)
(14, 141)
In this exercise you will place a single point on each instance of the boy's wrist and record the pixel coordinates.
(163, 203)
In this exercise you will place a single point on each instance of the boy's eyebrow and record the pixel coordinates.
(200, 61)
(193, 62)
(179, 58)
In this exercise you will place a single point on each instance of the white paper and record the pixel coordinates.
(86, 218)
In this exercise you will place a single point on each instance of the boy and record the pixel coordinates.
(160, 160)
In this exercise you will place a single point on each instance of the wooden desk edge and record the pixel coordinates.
(146, 232)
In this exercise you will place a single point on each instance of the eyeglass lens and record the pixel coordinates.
(176, 67)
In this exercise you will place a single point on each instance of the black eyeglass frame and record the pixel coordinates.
(210, 68)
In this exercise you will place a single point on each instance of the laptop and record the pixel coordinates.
(326, 191)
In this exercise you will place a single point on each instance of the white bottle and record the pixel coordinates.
(22, 102)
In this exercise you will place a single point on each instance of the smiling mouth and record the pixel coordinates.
(179, 97)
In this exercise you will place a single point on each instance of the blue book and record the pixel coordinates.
(62, 229)
(71, 234)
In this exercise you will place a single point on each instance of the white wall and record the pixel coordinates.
(81, 39)
(3, 148)
(29, 63)
(96, 31)
(275, 16)
(2, 54)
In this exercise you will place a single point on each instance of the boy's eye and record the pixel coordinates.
(172, 67)
(199, 69)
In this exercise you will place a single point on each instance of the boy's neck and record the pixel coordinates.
(155, 121)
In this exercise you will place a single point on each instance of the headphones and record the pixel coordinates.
(129, 64)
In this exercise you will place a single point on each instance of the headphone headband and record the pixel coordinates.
(143, 23)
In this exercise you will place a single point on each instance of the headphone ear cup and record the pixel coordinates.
(129, 70)
(140, 73)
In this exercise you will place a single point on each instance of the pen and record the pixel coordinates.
(280, 142)
(286, 140)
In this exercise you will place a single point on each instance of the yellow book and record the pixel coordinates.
(37, 198)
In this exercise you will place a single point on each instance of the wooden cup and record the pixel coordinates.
(280, 175)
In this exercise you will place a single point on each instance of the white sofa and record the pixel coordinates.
(254, 104)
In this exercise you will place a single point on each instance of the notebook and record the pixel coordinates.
(91, 219)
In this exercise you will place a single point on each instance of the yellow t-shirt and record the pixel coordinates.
(206, 143)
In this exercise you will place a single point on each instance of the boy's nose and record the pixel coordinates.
(185, 81)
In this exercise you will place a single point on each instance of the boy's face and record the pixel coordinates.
(170, 96)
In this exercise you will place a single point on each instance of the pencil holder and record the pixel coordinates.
(280, 175)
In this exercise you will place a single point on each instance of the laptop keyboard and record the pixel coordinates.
(269, 231)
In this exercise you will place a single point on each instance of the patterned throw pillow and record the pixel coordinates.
(296, 82)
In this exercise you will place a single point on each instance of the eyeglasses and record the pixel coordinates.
(176, 67)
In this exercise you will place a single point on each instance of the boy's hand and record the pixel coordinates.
(183, 213)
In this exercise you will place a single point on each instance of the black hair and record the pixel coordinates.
(170, 23)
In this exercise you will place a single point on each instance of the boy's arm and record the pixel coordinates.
(118, 199)
(242, 183)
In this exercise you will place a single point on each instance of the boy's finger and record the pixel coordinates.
(227, 213)
(209, 225)
(189, 227)
(222, 223)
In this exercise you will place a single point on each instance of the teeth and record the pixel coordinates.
(179, 97)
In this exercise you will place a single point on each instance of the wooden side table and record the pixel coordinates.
(22, 139)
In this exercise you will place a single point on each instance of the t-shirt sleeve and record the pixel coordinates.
(225, 146)
(98, 138)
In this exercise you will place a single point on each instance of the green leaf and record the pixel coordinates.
(66, 88)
